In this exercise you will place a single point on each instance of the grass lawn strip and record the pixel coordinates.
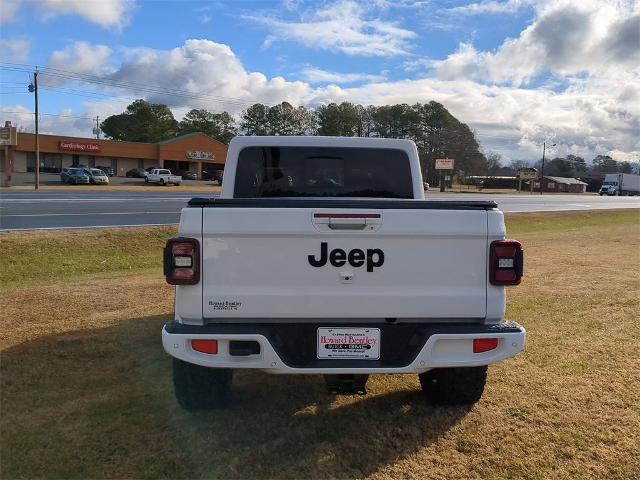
(86, 389)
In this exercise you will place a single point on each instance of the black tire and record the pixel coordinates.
(200, 388)
(454, 386)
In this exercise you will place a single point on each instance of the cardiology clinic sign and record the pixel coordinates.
(196, 155)
(87, 147)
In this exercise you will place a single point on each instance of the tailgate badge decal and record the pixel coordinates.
(374, 257)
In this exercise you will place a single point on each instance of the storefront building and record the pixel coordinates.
(194, 152)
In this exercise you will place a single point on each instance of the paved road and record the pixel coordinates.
(27, 210)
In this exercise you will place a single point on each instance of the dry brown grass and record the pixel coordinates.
(86, 389)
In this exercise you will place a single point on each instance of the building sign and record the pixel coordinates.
(196, 155)
(444, 163)
(528, 174)
(79, 147)
(8, 135)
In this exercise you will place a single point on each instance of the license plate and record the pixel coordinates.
(357, 343)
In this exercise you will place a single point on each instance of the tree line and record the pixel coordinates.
(436, 132)
(569, 166)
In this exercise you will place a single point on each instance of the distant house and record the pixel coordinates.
(560, 185)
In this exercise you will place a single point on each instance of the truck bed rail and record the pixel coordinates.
(322, 202)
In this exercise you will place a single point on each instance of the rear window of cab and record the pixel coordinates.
(323, 172)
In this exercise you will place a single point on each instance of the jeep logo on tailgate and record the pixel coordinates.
(374, 257)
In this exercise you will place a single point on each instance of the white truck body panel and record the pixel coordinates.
(257, 260)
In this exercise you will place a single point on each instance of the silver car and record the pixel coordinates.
(97, 176)
(74, 176)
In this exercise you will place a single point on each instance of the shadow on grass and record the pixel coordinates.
(99, 403)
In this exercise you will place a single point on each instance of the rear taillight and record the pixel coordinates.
(205, 346)
(182, 261)
(484, 344)
(506, 261)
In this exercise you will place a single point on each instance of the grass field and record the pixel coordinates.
(86, 388)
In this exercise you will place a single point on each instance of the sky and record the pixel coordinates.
(518, 72)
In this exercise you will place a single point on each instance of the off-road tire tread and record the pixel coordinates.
(454, 386)
(200, 388)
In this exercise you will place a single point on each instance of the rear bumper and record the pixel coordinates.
(291, 348)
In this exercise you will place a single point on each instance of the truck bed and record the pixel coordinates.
(275, 260)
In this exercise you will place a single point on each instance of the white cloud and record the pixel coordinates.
(490, 7)
(14, 50)
(106, 13)
(81, 57)
(317, 75)
(344, 26)
(590, 115)
(63, 123)
(8, 10)
(210, 74)
(568, 37)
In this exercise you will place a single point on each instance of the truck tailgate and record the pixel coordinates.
(318, 262)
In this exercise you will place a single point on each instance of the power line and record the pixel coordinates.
(48, 114)
(126, 85)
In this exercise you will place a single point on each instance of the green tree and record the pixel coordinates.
(220, 126)
(605, 164)
(342, 120)
(254, 120)
(282, 119)
(141, 122)
(438, 134)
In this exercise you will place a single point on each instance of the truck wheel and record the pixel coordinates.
(200, 388)
(454, 386)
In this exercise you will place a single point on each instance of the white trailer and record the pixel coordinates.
(620, 184)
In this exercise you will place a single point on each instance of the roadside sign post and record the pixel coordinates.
(530, 174)
(443, 164)
(8, 137)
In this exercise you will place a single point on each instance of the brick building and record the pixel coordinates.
(560, 185)
(194, 152)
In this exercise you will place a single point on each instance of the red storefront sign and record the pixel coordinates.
(79, 147)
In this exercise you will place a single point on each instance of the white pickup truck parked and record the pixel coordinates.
(163, 177)
(322, 256)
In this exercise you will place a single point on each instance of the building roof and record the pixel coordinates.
(187, 135)
(565, 180)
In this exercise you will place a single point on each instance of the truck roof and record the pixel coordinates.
(318, 141)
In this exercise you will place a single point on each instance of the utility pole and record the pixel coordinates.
(544, 145)
(97, 127)
(33, 88)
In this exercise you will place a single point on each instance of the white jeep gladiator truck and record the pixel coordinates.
(163, 177)
(322, 256)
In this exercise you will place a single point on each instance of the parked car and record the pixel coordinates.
(163, 177)
(213, 175)
(97, 176)
(109, 171)
(187, 175)
(137, 173)
(148, 169)
(74, 176)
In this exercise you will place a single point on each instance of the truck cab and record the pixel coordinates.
(322, 256)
